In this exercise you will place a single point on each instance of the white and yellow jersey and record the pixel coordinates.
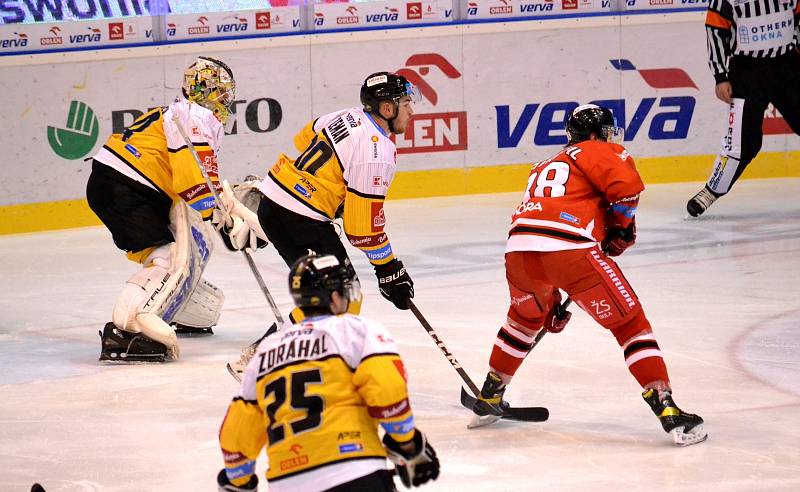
(152, 151)
(314, 394)
(345, 168)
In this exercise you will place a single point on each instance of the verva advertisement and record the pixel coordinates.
(144, 30)
(475, 110)
(332, 16)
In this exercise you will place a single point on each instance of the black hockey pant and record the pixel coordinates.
(136, 215)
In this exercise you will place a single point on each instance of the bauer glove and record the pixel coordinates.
(394, 283)
(415, 467)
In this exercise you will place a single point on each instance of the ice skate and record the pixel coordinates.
(192, 330)
(490, 406)
(686, 428)
(701, 201)
(122, 346)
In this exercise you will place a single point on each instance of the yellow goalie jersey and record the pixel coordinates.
(152, 152)
(315, 393)
(345, 168)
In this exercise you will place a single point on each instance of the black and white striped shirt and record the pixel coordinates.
(753, 28)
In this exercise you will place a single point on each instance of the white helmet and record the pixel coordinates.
(209, 83)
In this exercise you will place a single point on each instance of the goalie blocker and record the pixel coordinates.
(169, 289)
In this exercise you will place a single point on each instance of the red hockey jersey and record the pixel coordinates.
(573, 196)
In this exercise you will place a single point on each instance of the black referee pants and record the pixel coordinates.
(760, 81)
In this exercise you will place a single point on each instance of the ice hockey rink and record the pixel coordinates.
(722, 293)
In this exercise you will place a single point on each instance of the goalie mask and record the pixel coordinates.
(209, 83)
(387, 86)
(591, 119)
(314, 278)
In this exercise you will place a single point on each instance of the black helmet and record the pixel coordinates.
(384, 86)
(590, 118)
(314, 278)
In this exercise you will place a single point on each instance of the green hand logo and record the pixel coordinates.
(80, 135)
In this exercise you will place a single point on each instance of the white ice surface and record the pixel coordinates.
(722, 293)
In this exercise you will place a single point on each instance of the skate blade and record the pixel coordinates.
(185, 330)
(696, 436)
(132, 359)
(482, 420)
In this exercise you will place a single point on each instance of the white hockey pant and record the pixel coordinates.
(155, 295)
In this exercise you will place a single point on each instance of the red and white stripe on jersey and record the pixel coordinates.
(641, 347)
(547, 235)
(513, 341)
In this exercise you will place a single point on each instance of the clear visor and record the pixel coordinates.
(352, 290)
(614, 134)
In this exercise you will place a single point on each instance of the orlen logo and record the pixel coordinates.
(569, 4)
(667, 117)
(431, 132)
(263, 20)
(501, 9)
(94, 36)
(54, 39)
(116, 31)
(390, 16)
(414, 10)
(238, 25)
(530, 8)
(202, 28)
(349, 19)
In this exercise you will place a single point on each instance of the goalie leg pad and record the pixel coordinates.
(122, 346)
(202, 310)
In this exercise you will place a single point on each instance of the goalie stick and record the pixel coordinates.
(250, 350)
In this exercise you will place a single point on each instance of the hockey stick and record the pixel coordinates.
(439, 343)
(218, 202)
(523, 414)
(529, 414)
(249, 351)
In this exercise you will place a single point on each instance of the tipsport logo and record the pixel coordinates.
(662, 118)
(80, 134)
(432, 132)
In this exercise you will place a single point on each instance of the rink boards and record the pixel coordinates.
(493, 99)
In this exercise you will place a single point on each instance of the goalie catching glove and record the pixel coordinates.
(239, 227)
(414, 467)
(394, 283)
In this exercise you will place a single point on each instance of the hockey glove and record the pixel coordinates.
(617, 239)
(415, 467)
(240, 229)
(558, 317)
(225, 485)
(394, 283)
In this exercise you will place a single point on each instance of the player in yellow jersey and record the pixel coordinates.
(147, 188)
(315, 394)
(346, 164)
